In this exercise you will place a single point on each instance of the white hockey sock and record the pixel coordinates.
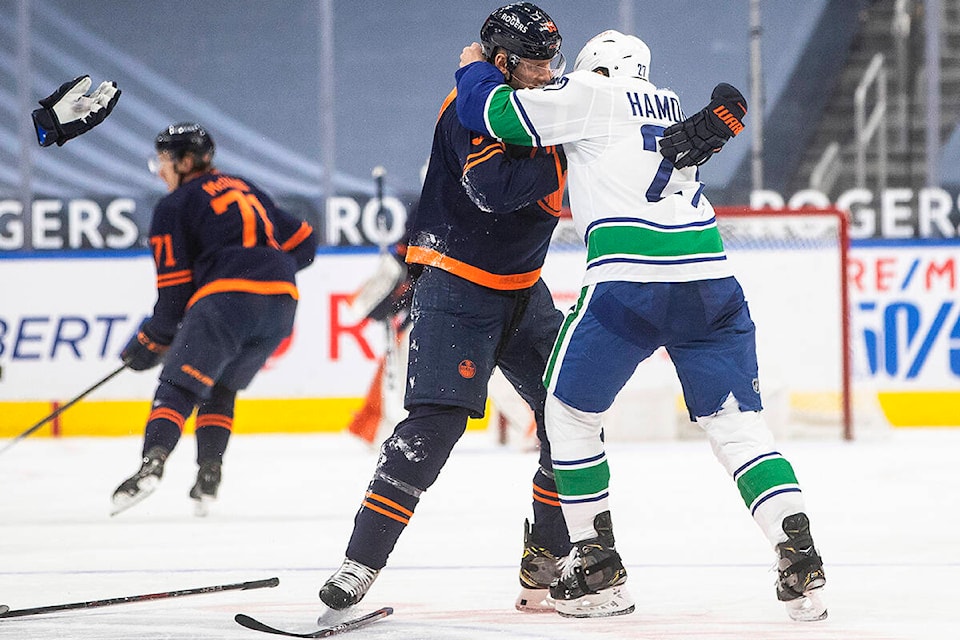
(745, 447)
(579, 465)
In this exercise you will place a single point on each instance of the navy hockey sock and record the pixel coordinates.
(549, 527)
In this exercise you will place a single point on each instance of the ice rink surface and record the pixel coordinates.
(885, 514)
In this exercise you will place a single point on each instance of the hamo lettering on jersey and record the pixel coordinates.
(655, 106)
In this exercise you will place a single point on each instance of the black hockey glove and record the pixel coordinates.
(703, 134)
(143, 352)
(69, 112)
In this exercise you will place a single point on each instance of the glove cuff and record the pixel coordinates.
(147, 338)
(47, 128)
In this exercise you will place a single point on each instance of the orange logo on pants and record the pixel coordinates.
(467, 369)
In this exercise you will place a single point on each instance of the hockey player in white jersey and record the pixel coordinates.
(656, 275)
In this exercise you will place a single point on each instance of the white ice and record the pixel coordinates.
(884, 513)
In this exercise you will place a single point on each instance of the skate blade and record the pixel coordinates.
(535, 601)
(808, 608)
(615, 601)
(123, 501)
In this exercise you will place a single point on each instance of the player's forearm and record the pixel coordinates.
(478, 110)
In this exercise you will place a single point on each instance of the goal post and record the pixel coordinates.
(792, 265)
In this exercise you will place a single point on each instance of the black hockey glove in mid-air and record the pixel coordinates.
(69, 112)
(143, 352)
(703, 134)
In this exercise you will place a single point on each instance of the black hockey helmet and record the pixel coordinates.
(523, 30)
(185, 137)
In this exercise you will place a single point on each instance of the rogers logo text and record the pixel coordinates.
(514, 22)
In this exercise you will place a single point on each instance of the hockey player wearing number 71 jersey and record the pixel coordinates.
(656, 275)
(226, 258)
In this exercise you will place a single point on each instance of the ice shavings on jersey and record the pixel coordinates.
(476, 195)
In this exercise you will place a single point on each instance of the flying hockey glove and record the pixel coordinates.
(703, 134)
(69, 112)
(142, 351)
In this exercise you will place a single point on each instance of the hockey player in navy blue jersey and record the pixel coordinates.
(478, 238)
(226, 258)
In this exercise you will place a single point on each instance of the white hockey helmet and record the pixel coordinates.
(617, 53)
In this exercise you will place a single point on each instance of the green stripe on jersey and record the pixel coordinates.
(642, 241)
(504, 121)
(586, 481)
(763, 477)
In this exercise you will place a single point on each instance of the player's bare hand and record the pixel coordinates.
(471, 53)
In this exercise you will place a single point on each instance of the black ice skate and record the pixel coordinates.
(538, 568)
(142, 483)
(801, 578)
(348, 585)
(591, 582)
(204, 490)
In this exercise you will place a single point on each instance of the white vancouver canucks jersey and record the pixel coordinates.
(641, 219)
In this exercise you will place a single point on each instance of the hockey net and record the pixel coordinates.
(792, 265)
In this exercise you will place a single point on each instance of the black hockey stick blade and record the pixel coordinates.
(254, 584)
(326, 632)
(83, 394)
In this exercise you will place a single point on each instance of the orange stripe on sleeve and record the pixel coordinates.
(302, 234)
(553, 203)
(446, 102)
(174, 278)
(482, 156)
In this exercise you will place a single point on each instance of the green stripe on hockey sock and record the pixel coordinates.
(586, 481)
(764, 476)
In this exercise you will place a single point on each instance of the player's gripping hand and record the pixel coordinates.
(69, 112)
(142, 351)
(703, 134)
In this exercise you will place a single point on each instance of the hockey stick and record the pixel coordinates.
(64, 407)
(255, 584)
(325, 632)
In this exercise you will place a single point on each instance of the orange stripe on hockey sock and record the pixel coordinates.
(549, 494)
(552, 503)
(389, 514)
(546, 497)
(166, 413)
(390, 503)
(215, 420)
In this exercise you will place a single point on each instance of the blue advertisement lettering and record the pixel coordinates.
(69, 337)
(900, 337)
